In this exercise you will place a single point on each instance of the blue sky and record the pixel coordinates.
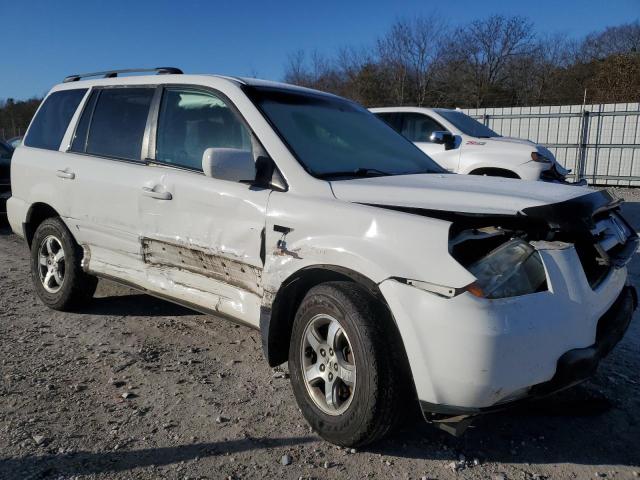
(46, 40)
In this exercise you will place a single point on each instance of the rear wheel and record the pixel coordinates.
(57, 274)
(343, 362)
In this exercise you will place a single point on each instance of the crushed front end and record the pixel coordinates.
(550, 301)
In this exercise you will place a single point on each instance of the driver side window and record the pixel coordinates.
(190, 122)
(418, 127)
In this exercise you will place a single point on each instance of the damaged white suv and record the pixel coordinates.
(379, 277)
(461, 144)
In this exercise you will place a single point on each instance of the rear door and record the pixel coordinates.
(202, 237)
(106, 163)
(38, 167)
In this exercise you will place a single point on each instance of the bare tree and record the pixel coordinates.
(412, 49)
(487, 47)
(617, 40)
(498, 61)
(295, 71)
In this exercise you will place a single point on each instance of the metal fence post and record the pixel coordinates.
(582, 147)
(485, 119)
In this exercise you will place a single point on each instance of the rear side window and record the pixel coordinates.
(113, 123)
(51, 121)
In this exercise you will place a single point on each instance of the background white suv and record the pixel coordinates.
(384, 281)
(461, 144)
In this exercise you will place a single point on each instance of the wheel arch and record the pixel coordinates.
(37, 213)
(277, 316)
(494, 172)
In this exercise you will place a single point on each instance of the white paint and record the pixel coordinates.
(463, 350)
(612, 140)
(472, 153)
(455, 192)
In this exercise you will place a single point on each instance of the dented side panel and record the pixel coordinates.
(208, 236)
(176, 284)
(201, 261)
(473, 352)
(374, 242)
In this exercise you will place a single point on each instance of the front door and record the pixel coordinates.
(202, 236)
(418, 128)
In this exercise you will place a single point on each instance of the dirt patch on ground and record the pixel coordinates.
(134, 387)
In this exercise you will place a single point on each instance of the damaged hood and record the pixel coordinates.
(455, 193)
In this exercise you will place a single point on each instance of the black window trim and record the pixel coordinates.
(148, 150)
(88, 101)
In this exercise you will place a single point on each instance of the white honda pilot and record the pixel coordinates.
(384, 281)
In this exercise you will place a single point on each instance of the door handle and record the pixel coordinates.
(65, 174)
(151, 192)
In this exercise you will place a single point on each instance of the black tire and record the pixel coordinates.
(77, 287)
(381, 377)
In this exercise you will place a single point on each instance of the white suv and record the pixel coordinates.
(380, 278)
(461, 144)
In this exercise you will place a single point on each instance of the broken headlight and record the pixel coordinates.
(514, 268)
(540, 158)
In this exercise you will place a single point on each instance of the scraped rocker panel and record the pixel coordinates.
(197, 260)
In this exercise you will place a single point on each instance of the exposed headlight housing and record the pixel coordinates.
(538, 157)
(512, 269)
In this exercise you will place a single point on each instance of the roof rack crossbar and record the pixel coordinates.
(115, 73)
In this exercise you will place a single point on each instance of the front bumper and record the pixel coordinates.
(469, 354)
(579, 364)
(558, 174)
(574, 366)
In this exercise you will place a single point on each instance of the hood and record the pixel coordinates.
(520, 141)
(455, 193)
(526, 146)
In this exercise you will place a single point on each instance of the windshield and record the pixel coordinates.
(466, 124)
(333, 138)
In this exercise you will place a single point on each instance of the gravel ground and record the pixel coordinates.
(134, 387)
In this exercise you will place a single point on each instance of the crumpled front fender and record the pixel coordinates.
(375, 242)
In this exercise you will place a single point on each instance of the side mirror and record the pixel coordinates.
(229, 164)
(444, 138)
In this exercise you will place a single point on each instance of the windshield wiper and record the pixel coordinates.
(358, 172)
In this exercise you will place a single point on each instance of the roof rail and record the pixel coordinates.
(114, 73)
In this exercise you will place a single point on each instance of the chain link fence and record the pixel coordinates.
(599, 142)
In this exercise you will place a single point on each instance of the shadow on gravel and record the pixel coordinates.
(570, 427)
(135, 305)
(87, 463)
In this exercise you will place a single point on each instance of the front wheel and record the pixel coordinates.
(57, 274)
(344, 365)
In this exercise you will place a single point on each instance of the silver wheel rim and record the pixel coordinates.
(328, 364)
(51, 264)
